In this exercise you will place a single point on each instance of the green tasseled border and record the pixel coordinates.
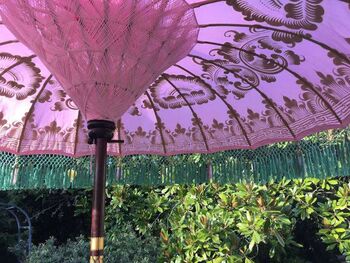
(317, 158)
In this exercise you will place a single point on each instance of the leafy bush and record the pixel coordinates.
(242, 222)
(289, 221)
(122, 245)
(72, 252)
(237, 223)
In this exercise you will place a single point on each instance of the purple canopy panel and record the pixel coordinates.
(260, 72)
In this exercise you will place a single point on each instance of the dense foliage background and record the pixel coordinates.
(289, 221)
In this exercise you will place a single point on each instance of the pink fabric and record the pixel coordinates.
(240, 86)
(105, 54)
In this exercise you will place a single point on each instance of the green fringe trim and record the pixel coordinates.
(316, 158)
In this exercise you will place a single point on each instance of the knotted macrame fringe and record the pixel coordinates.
(305, 159)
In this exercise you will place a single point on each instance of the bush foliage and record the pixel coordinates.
(289, 221)
(242, 222)
(122, 245)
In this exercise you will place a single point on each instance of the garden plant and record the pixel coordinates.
(288, 221)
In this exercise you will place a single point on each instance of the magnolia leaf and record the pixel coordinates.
(279, 239)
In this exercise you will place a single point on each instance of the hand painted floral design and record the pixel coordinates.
(19, 77)
(185, 91)
(296, 14)
(57, 98)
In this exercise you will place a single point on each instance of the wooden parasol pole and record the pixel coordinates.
(98, 203)
(100, 133)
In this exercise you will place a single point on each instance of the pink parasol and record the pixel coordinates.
(258, 73)
(170, 76)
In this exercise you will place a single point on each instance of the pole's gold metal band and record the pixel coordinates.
(96, 243)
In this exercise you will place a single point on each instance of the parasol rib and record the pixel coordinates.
(193, 112)
(257, 26)
(295, 74)
(119, 124)
(262, 94)
(30, 111)
(230, 108)
(159, 121)
(77, 132)
(8, 42)
(207, 2)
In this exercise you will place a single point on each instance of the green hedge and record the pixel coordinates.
(289, 221)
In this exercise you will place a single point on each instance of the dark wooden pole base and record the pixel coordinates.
(100, 133)
(98, 203)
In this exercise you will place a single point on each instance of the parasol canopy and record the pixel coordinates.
(169, 76)
(240, 74)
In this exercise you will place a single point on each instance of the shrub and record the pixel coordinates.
(243, 222)
(74, 251)
(289, 221)
(122, 245)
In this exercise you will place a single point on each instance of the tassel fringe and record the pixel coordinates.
(308, 158)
